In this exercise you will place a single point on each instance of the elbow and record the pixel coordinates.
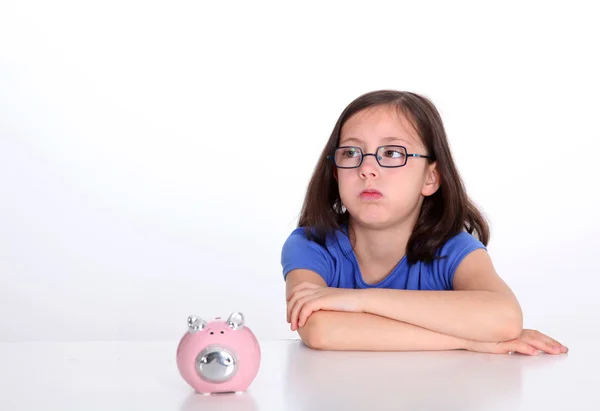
(516, 325)
(510, 331)
(312, 334)
(511, 326)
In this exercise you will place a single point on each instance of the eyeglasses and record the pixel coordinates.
(386, 156)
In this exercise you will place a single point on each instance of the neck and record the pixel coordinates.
(378, 251)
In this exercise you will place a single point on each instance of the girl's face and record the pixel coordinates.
(399, 191)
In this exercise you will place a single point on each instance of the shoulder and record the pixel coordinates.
(300, 251)
(299, 239)
(450, 255)
(459, 244)
(297, 235)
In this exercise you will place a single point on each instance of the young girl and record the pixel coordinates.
(390, 253)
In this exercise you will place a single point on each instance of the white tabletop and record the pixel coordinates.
(143, 376)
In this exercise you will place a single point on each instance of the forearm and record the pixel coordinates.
(472, 315)
(349, 331)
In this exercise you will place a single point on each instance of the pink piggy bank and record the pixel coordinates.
(218, 356)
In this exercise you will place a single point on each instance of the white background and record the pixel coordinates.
(122, 209)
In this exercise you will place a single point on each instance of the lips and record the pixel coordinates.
(370, 194)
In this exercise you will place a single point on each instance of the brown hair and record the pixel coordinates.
(443, 214)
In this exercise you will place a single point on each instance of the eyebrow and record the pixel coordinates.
(385, 139)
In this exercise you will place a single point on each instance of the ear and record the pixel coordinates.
(432, 182)
(335, 173)
(195, 324)
(235, 320)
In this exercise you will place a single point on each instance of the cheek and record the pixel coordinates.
(347, 187)
(347, 184)
(403, 187)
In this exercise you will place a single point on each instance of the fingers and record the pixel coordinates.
(300, 311)
(301, 290)
(543, 342)
(562, 348)
(303, 286)
(294, 301)
(518, 346)
(294, 309)
(531, 342)
(307, 309)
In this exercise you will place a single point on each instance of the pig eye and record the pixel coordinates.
(211, 333)
(222, 332)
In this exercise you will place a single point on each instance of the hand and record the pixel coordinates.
(530, 342)
(307, 298)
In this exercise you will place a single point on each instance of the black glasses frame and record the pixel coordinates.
(363, 155)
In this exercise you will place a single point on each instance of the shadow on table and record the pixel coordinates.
(219, 402)
(448, 380)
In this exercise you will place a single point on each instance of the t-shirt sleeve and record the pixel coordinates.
(300, 252)
(453, 252)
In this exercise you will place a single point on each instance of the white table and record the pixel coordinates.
(143, 376)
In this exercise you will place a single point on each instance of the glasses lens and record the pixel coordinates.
(348, 156)
(392, 156)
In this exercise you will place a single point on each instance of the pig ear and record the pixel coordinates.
(195, 324)
(236, 320)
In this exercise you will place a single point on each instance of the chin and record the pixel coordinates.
(371, 219)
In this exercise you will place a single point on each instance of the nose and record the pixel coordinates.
(216, 364)
(369, 166)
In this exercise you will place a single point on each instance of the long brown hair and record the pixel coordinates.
(443, 214)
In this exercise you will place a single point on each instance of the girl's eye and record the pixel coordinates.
(349, 153)
(393, 153)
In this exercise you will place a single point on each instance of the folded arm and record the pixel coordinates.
(481, 307)
(344, 331)
(334, 330)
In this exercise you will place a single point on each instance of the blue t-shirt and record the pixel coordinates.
(337, 264)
